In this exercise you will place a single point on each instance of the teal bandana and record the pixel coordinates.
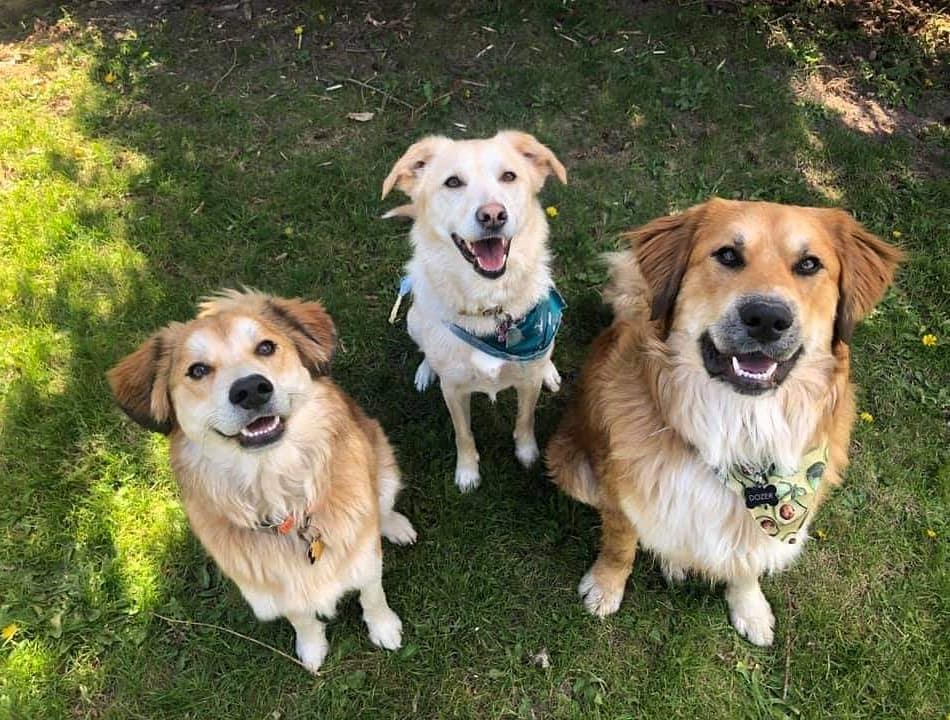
(779, 503)
(522, 339)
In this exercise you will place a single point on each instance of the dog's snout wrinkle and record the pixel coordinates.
(491, 216)
(766, 319)
(251, 391)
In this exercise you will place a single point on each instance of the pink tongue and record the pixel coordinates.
(260, 423)
(490, 253)
(757, 364)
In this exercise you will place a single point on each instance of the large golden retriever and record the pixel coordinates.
(285, 481)
(713, 416)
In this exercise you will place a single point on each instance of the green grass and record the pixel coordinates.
(149, 158)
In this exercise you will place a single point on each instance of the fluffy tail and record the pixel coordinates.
(570, 468)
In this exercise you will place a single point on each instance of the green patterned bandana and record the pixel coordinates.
(779, 503)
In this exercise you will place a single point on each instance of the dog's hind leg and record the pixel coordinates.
(526, 446)
(552, 378)
(394, 526)
(425, 376)
(459, 404)
(603, 585)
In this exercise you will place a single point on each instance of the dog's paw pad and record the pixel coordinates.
(425, 376)
(599, 600)
(398, 530)
(385, 630)
(527, 452)
(312, 653)
(466, 478)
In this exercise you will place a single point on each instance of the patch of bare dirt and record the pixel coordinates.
(861, 112)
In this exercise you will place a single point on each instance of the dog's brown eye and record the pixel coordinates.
(508, 176)
(198, 371)
(453, 182)
(807, 266)
(729, 257)
(265, 348)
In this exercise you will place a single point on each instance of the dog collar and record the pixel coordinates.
(306, 530)
(779, 504)
(521, 340)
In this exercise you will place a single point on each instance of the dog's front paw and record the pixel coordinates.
(385, 629)
(425, 376)
(552, 378)
(467, 478)
(526, 450)
(312, 651)
(751, 614)
(397, 529)
(599, 599)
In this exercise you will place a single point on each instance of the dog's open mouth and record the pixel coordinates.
(749, 373)
(263, 431)
(488, 255)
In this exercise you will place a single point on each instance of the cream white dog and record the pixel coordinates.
(484, 311)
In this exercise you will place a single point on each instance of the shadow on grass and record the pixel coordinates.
(254, 175)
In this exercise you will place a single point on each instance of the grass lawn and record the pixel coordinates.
(150, 154)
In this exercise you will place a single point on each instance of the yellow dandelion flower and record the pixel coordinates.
(9, 631)
(929, 340)
(866, 417)
(109, 78)
(896, 234)
(820, 534)
(298, 30)
(931, 533)
(551, 211)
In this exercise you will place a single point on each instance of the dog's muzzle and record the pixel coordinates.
(754, 346)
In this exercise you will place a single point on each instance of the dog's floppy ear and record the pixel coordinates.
(309, 327)
(409, 168)
(867, 270)
(140, 384)
(540, 156)
(662, 249)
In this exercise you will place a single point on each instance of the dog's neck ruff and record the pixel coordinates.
(306, 530)
(522, 339)
(779, 504)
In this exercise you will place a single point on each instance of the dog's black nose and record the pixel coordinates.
(250, 392)
(491, 216)
(766, 320)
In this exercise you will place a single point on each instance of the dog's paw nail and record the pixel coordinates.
(398, 530)
(386, 631)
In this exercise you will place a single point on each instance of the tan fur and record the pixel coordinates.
(648, 425)
(333, 464)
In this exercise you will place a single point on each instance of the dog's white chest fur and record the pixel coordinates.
(694, 522)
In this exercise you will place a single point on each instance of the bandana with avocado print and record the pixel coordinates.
(779, 504)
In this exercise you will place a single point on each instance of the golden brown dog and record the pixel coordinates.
(285, 481)
(713, 416)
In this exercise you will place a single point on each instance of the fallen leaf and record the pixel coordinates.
(361, 116)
